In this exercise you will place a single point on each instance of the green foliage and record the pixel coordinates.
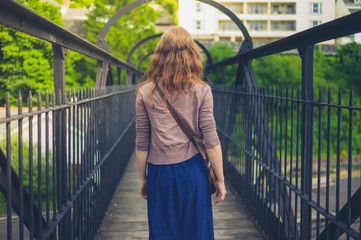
(348, 65)
(26, 62)
(127, 31)
(80, 71)
(278, 70)
(26, 169)
(171, 6)
(219, 51)
(80, 3)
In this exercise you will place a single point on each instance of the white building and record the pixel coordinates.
(343, 8)
(265, 20)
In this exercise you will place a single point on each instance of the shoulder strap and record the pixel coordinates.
(177, 119)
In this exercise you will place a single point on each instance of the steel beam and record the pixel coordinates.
(15, 15)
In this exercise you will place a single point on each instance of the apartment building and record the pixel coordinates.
(266, 20)
(343, 8)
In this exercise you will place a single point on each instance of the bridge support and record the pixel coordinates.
(60, 55)
(306, 54)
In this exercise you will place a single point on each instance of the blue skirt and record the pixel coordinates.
(179, 201)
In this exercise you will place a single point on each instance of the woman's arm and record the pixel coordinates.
(215, 157)
(142, 142)
(142, 164)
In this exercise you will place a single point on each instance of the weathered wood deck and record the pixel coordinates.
(127, 214)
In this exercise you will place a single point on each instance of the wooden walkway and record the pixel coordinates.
(127, 214)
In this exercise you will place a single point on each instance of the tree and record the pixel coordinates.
(127, 31)
(348, 64)
(26, 62)
(220, 51)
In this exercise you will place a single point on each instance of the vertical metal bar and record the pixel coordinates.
(69, 146)
(273, 180)
(338, 161)
(65, 156)
(280, 183)
(74, 224)
(119, 75)
(74, 143)
(286, 218)
(39, 167)
(278, 169)
(8, 169)
(291, 159)
(21, 170)
(70, 161)
(223, 76)
(307, 139)
(31, 190)
(78, 166)
(328, 160)
(58, 162)
(47, 183)
(297, 154)
(54, 115)
(319, 161)
(267, 157)
(349, 177)
(59, 55)
(82, 150)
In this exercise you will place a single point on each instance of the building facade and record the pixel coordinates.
(343, 8)
(266, 20)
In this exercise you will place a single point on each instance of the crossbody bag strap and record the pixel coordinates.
(177, 119)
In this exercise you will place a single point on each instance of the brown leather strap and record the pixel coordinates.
(177, 119)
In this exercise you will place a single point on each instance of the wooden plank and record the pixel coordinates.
(126, 217)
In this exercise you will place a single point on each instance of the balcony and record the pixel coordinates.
(257, 8)
(236, 8)
(257, 25)
(283, 25)
(227, 25)
(283, 8)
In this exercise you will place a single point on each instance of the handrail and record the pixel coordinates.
(23, 19)
(336, 28)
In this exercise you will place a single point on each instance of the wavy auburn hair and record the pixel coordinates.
(176, 64)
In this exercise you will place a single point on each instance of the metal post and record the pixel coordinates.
(59, 54)
(306, 54)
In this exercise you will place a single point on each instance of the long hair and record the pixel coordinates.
(176, 64)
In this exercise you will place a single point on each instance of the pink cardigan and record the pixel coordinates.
(158, 132)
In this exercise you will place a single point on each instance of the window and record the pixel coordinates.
(290, 9)
(227, 26)
(275, 25)
(257, 9)
(198, 7)
(290, 26)
(276, 9)
(235, 8)
(357, 1)
(314, 23)
(199, 25)
(316, 8)
(257, 26)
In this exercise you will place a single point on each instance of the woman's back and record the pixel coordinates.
(166, 142)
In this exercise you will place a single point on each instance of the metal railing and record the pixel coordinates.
(276, 144)
(61, 161)
(72, 169)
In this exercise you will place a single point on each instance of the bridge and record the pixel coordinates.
(80, 145)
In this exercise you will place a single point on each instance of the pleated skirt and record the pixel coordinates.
(179, 201)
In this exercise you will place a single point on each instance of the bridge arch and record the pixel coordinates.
(145, 40)
(103, 66)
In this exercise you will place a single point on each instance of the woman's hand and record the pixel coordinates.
(220, 191)
(143, 189)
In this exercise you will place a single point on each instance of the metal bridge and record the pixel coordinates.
(79, 144)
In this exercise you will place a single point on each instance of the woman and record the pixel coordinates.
(177, 186)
